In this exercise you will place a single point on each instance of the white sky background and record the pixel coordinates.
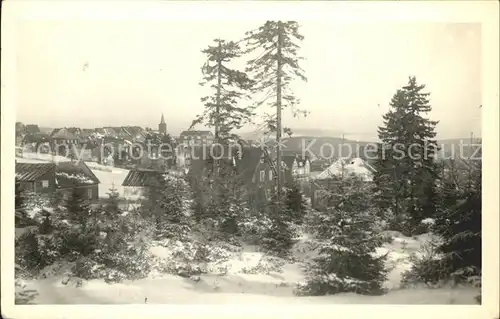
(137, 70)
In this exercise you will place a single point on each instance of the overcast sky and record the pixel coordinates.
(91, 74)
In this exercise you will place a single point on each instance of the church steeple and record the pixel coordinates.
(162, 127)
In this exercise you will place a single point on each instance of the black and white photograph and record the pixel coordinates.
(275, 160)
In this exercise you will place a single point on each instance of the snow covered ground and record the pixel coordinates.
(31, 157)
(239, 286)
(108, 176)
(231, 290)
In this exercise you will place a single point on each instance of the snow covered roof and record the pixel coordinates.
(64, 134)
(141, 178)
(30, 172)
(356, 166)
(69, 174)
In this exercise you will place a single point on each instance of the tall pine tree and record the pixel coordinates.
(406, 169)
(230, 86)
(276, 66)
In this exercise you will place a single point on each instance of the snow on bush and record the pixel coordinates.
(428, 221)
(265, 265)
(190, 258)
(187, 258)
(426, 267)
(33, 252)
(114, 248)
(34, 204)
(253, 227)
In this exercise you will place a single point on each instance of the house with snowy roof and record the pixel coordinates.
(64, 137)
(346, 167)
(36, 177)
(334, 173)
(75, 130)
(64, 142)
(60, 177)
(138, 181)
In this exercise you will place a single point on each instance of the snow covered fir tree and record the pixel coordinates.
(406, 167)
(232, 214)
(346, 238)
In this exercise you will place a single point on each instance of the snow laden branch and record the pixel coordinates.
(230, 87)
(276, 65)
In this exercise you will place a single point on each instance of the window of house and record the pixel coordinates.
(28, 186)
(45, 184)
(89, 193)
(262, 175)
(270, 175)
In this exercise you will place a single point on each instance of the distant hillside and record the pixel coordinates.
(301, 132)
(326, 148)
(329, 148)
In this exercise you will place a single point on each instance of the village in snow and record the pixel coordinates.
(219, 213)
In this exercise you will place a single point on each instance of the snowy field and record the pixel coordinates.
(239, 286)
(31, 157)
(233, 290)
(108, 176)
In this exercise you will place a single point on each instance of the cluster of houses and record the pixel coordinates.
(255, 166)
(124, 146)
(257, 170)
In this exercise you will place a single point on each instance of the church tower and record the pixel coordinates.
(162, 127)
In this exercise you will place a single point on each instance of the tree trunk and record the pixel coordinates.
(278, 113)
